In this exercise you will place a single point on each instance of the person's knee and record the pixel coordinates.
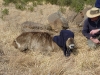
(91, 44)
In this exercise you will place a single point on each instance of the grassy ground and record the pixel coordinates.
(14, 62)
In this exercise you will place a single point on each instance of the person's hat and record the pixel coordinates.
(93, 12)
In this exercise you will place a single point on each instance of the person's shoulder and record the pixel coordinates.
(87, 19)
(66, 30)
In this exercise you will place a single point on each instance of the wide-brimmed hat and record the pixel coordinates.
(93, 12)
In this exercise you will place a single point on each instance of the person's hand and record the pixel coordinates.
(95, 40)
(92, 32)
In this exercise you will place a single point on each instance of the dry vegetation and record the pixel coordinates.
(14, 62)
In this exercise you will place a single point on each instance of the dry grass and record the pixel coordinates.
(14, 62)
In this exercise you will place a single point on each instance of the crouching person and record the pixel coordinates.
(65, 41)
(91, 28)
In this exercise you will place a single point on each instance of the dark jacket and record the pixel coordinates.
(97, 3)
(90, 25)
(61, 39)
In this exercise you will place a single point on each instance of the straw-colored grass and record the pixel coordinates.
(14, 62)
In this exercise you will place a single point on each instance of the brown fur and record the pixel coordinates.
(70, 41)
(37, 41)
(30, 26)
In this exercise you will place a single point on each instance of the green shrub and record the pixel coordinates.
(62, 9)
(31, 8)
(34, 3)
(90, 2)
(64, 2)
(20, 6)
(6, 2)
(5, 11)
(52, 1)
(77, 5)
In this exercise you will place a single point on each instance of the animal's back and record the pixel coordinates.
(35, 41)
(42, 40)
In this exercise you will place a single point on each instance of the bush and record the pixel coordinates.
(90, 2)
(20, 6)
(31, 8)
(4, 12)
(77, 5)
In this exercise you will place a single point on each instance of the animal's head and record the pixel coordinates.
(20, 42)
(70, 43)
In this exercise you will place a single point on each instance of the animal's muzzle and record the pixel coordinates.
(71, 46)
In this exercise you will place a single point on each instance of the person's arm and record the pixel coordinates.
(88, 34)
(95, 40)
(85, 30)
(92, 32)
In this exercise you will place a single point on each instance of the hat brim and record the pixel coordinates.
(91, 16)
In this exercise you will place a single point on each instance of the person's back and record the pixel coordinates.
(97, 3)
(61, 40)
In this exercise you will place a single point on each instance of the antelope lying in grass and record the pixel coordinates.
(42, 41)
